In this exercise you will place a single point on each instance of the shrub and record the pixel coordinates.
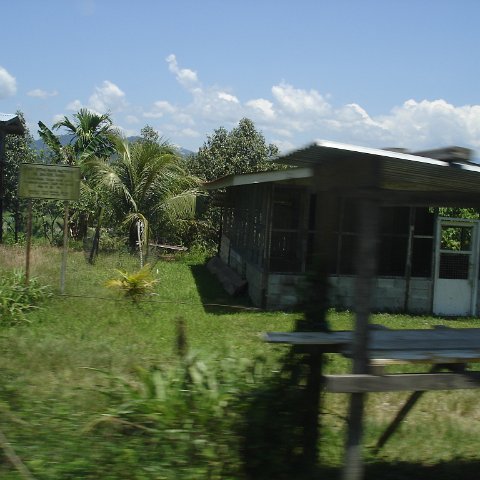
(17, 298)
(134, 285)
(185, 416)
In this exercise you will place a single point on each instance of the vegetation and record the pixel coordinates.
(241, 150)
(147, 189)
(134, 285)
(17, 298)
(17, 150)
(179, 385)
(94, 386)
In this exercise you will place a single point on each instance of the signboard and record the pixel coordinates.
(56, 182)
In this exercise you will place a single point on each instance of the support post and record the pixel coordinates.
(29, 242)
(65, 248)
(366, 269)
(2, 178)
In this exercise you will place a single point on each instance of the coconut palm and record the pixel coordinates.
(148, 186)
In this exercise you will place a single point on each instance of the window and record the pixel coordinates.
(285, 246)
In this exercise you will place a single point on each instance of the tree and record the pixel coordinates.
(242, 150)
(18, 149)
(92, 136)
(148, 187)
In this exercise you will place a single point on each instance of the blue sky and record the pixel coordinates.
(376, 73)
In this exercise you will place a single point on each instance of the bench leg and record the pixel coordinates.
(409, 404)
(412, 400)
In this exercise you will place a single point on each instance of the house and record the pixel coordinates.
(426, 263)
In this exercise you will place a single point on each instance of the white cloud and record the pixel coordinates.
(8, 84)
(295, 116)
(262, 107)
(186, 77)
(160, 108)
(283, 145)
(433, 123)
(58, 117)
(184, 118)
(107, 98)
(75, 106)
(298, 101)
(227, 97)
(39, 93)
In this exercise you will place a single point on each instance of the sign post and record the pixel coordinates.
(53, 182)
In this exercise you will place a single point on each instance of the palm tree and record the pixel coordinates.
(93, 136)
(147, 186)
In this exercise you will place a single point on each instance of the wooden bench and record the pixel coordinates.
(443, 348)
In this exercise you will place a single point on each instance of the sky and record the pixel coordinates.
(377, 73)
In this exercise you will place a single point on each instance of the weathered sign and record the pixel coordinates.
(56, 182)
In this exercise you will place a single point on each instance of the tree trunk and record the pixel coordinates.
(96, 237)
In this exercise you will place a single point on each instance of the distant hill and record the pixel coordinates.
(39, 144)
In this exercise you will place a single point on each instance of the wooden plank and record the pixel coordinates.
(395, 357)
(359, 383)
(395, 340)
(310, 338)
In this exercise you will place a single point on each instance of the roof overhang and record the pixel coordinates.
(11, 124)
(259, 177)
(387, 175)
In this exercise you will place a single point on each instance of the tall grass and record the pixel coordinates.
(52, 393)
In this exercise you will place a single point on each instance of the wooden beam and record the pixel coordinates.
(360, 383)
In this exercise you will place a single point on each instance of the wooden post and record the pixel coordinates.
(29, 242)
(65, 248)
(2, 178)
(366, 269)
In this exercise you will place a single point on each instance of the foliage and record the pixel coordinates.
(456, 212)
(92, 137)
(46, 400)
(149, 190)
(17, 298)
(241, 150)
(18, 150)
(188, 413)
(134, 285)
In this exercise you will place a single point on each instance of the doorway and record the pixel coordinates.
(456, 267)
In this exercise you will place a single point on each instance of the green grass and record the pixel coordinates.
(50, 384)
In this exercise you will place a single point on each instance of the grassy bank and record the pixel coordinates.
(89, 360)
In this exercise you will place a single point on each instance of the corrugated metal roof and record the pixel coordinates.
(393, 170)
(394, 176)
(321, 150)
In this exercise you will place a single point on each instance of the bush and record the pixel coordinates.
(134, 285)
(16, 298)
(185, 416)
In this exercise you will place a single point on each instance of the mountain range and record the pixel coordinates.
(39, 144)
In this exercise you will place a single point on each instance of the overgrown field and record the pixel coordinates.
(95, 386)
